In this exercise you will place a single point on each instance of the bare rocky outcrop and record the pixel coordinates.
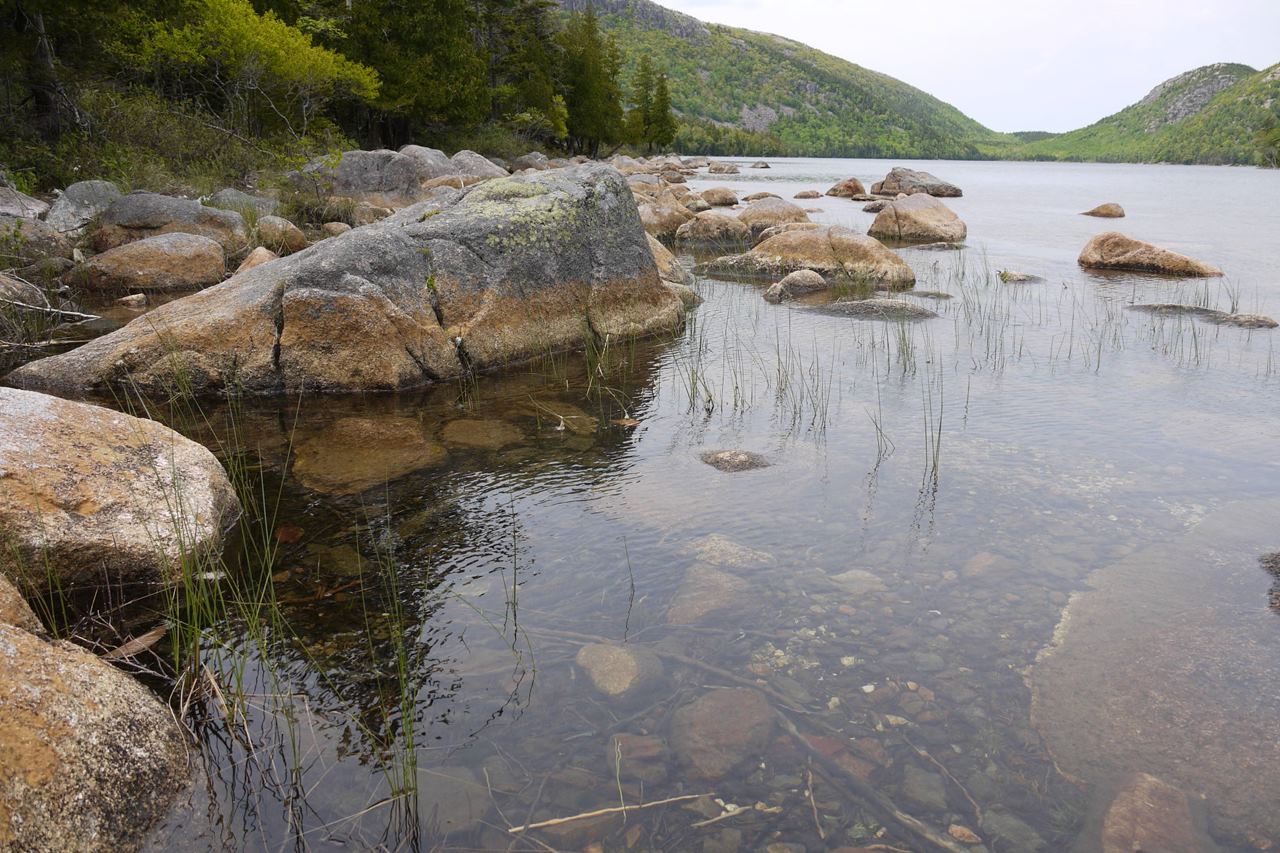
(165, 262)
(89, 494)
(502, 272)
(912, 181)
(918, 219)
(834, 252)
(768, 211)
(1108, 210)
(1114, 251)
(89, 758)
(77, 205)
(141, 214)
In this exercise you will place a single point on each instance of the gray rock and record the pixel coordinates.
(280, 235)
(139, 215)
(473, 165)
(925, 788)
(722, 169)
(798, 283)
(713, 229)
(1013, 831)
(732, 461)
(164, 262)
(837, 253)
(1013, 277)
(241, 202)
(429, 163)
(1209, 315)
(918, 218)
(79, 203)
(382, 177)
(92, 759)
(14, 203)
(875, 206)
(502, 272)
(20, 290)
(877, 308)
(25, 241)
(768, 211)
(911, 181)
(760, 164)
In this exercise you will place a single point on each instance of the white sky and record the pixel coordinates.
(1020, 64)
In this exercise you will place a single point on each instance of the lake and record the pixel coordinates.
(998, 561)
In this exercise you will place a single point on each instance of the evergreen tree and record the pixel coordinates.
(593, 98)
(640, 117)
(662, 123)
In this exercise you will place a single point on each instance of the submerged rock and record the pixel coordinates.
(734, 460)
(705, 591)
(1114, 251)
(924, 788)
(481, 434)
(798, 283)
(355, 454)
(1110, 210)
(918, 218)
(621, 673)
(877, 308)
(1150, 814)
(508, 270)
(454, 799)
(1013, 277)
(848, 188)
(79, 203)
(834, 252)
(88, 494)
(1210, 315)
(164, 262)
(89, 758)
(721, 729)
(1001, 824)
(911, 181)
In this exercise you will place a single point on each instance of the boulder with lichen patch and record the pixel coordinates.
(89, 758)
(1114, 251)
(502, 272)
(88, 494)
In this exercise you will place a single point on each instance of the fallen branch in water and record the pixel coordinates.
(601, 812)
(46, 309)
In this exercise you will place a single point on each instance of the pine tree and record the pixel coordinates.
(662, 124)
(593, 97)
(640, 117)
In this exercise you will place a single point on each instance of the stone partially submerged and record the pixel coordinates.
(877, 308)
(502, 272)
(89, 494)
(918, 218)
(768, 211)
(1109, 210)
(1114, 251)
(834, 252)
(911, 181)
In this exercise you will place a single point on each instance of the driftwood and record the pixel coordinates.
(46, 309)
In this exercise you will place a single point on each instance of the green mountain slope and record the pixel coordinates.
(1208, 115)
(740, 91)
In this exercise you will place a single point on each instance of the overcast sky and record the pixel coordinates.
(1020, 64)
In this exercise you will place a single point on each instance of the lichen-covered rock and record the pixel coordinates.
(241, 202)
(721, 729)
(798, 283)
(92, 494)
(848, 188)
(911, 181)
(918, 218)
(474, 165)
(1114, 251)
(711, 228)
(769, 211)
(280, 235)
(720, 197)
(505, 271)
(89, 759)
(15, 203)
(832, 251)
(140, 215)
(25, 241)
(79, 203)
(1109, 210)
(172, 261)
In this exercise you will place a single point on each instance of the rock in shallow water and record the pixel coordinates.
(918, 218)
(1114, 251)
(91, 494)
(1150, 814)
(877, 308)
(355, 454)
(703, 592)
(511, 269)
(832, 251)
(621, 673)
(721, 729)
(911, 182)
(795, 284)
(732, 461)
(1109, 210)
(89, 758)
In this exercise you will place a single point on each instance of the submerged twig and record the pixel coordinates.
(601, 812)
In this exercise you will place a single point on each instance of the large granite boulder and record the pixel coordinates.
(711, 228)
(89, 758)
(79, 203)
(241, 202)
(535, 160)
(769, 211)
(1114, 251)
(673, 274)
(25, 241)
(15, 203)
(164, 262)
(663, 217)
(473, 165)
(918, 219)
(848, 188)
(383, 178)
(139, 215)
(911, 181)
(428, 163)
(88, 494)
(835, 252)
(720, 197)
(501, 272)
